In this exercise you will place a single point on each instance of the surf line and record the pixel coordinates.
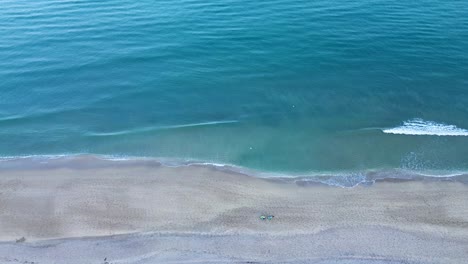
(154, 128)
(420, 127)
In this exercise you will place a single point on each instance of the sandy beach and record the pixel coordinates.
(119, 212)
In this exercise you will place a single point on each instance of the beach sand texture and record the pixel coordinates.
(155, 214)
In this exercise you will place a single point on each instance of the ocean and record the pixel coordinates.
(289, 87)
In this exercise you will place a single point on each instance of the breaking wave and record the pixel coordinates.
(155, 128)
(421, 127)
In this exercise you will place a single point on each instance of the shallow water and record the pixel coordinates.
(284, 86)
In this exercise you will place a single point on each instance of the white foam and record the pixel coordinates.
(154, 128)
(419, 127)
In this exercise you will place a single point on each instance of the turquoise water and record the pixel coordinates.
(290, 86)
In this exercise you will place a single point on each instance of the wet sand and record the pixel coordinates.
(147, 213)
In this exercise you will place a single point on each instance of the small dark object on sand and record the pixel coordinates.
(21, 240)
(266, 217)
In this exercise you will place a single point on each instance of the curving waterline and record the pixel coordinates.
(155, 128)
(420, 127)
(344, 179)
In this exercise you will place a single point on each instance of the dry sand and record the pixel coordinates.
(206, 215)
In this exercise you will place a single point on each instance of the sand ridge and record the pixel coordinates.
(66, 203)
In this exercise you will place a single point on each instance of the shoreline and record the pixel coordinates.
(150, 213)
(332, 178)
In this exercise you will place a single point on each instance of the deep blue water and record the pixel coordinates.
(292, 86)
